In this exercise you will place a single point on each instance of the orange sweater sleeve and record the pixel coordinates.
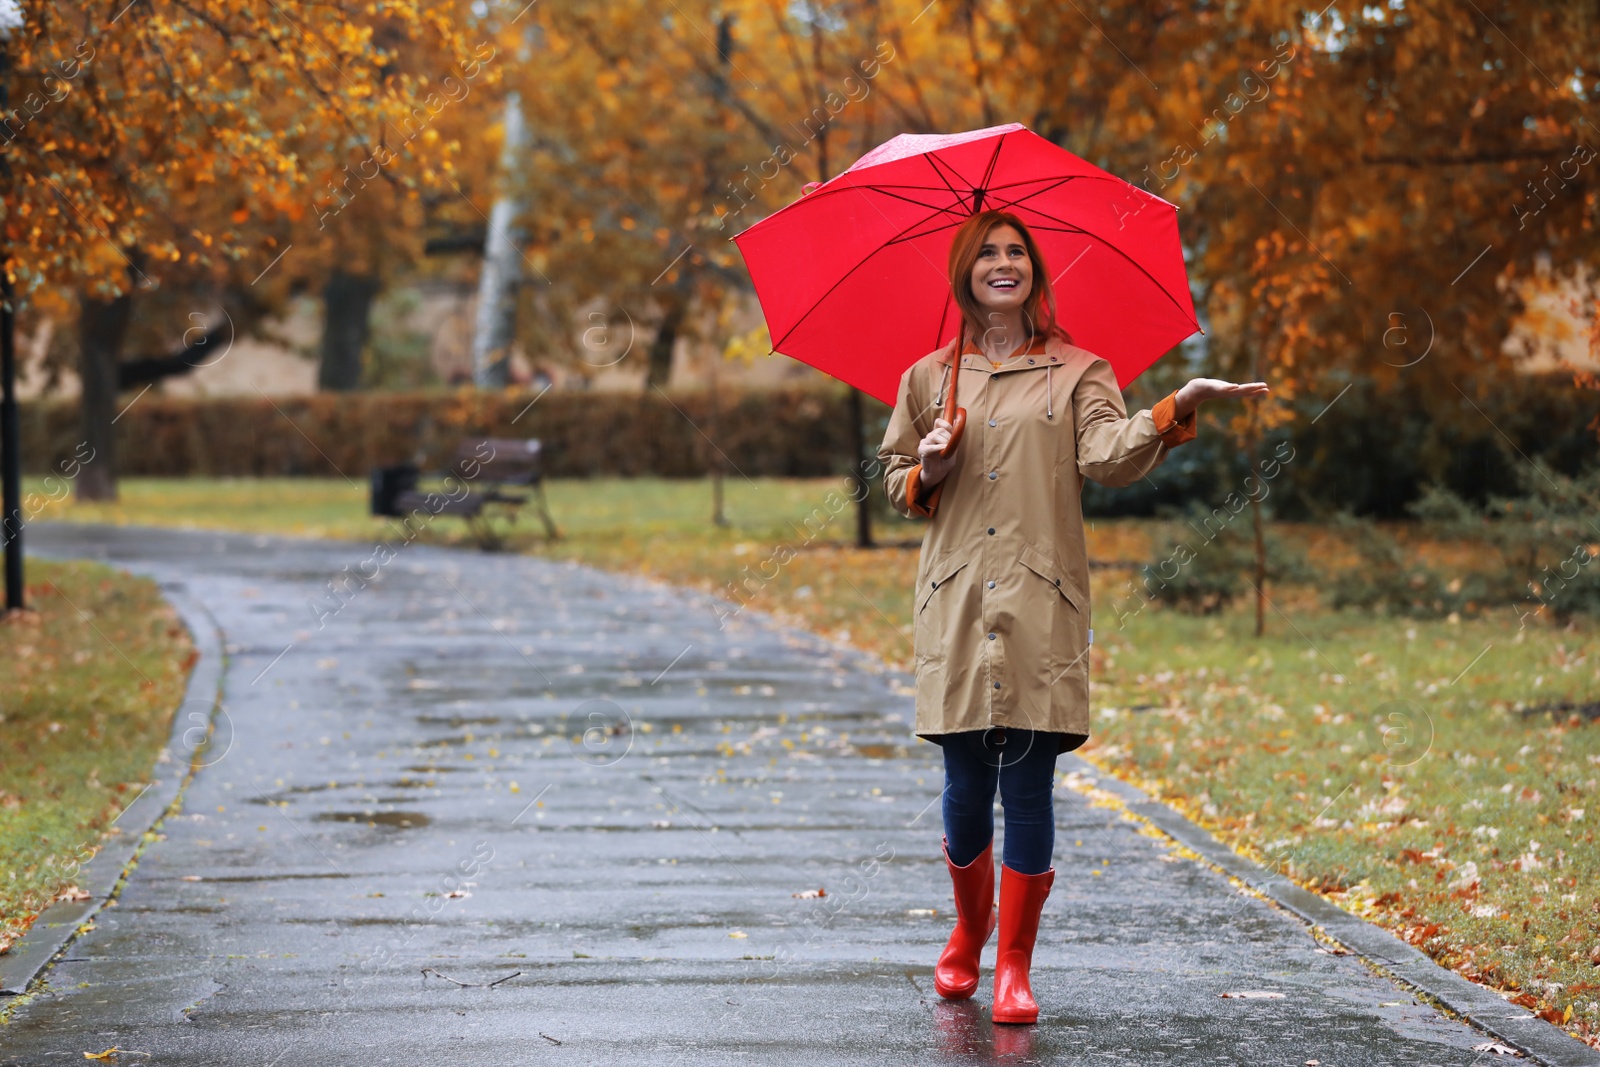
(914, 501)
(1173, 431)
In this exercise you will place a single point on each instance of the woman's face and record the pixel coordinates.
(1003, 275)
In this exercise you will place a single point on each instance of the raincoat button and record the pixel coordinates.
(991, 637)
(991, 422)
(1030, 362)
(993, 376)
(991, 585)
(993, 475)
(991, 530)
(1058, 581)
(936, 584)
(997, 685)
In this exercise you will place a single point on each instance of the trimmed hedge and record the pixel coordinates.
(793, 432)
(1373, 453)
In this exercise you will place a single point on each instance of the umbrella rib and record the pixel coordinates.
(1067, 227)
(897, 239)
(906, 235)
(988, 172)
(840, 281)
(910, 200)
(1055, 183)
(934, 162)
(813, 197)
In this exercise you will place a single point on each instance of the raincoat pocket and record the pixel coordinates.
(931, 636)
(1055, 609)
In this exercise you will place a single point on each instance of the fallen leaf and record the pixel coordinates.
(190, 878)
(457, 894)
(112, 1053)
(810, 894)
(1252, 994)
(74, 894)
(921, 911)
(1497, 1048)
(738, 933)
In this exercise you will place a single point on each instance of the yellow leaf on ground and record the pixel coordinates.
(112, 1053)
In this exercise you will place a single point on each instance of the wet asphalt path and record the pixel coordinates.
(486, 769)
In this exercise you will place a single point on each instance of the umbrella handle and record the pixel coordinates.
(956, 417)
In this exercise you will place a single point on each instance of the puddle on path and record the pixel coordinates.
(258, 877)
(393, 819)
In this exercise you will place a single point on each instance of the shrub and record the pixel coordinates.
(1200, 569)
(1547, 538)
(1537, 551)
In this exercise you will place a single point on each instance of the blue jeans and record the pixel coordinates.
(1021, 763)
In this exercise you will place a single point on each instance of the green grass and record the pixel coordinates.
(1387, 791)
(94, 674)
(1372, 758)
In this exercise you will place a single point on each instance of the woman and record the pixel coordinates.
(1002, 597)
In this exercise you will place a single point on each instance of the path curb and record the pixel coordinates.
(176, 764)
(1521, 1030)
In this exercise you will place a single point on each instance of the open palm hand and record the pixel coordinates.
(1198, 389)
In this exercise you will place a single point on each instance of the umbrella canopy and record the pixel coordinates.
(852, 277)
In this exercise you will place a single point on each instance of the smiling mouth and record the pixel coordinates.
(1004, 283)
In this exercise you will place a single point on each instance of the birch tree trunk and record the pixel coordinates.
(496, 326)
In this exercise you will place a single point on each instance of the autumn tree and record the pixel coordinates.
(169, 144)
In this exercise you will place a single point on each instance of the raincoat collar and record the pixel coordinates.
(1052, 352)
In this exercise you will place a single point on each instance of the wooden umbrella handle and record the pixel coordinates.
(956, 417)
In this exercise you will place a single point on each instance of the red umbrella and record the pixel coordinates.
(852, 276)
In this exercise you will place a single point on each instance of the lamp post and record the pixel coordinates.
(10, 465)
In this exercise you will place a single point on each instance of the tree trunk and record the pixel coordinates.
(718, 515)
(11, 475)
(1257, 519)
(660, 365)
(496, 328)
(858, 447)
(1261, 567)
(102, 326)
(346, 323)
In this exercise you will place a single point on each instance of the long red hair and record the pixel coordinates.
(1038, 308)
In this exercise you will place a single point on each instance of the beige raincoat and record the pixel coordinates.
(1002, 596)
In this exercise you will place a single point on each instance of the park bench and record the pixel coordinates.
(487, 478)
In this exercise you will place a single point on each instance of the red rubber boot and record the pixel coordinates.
(1021, 900)
(955, 976)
